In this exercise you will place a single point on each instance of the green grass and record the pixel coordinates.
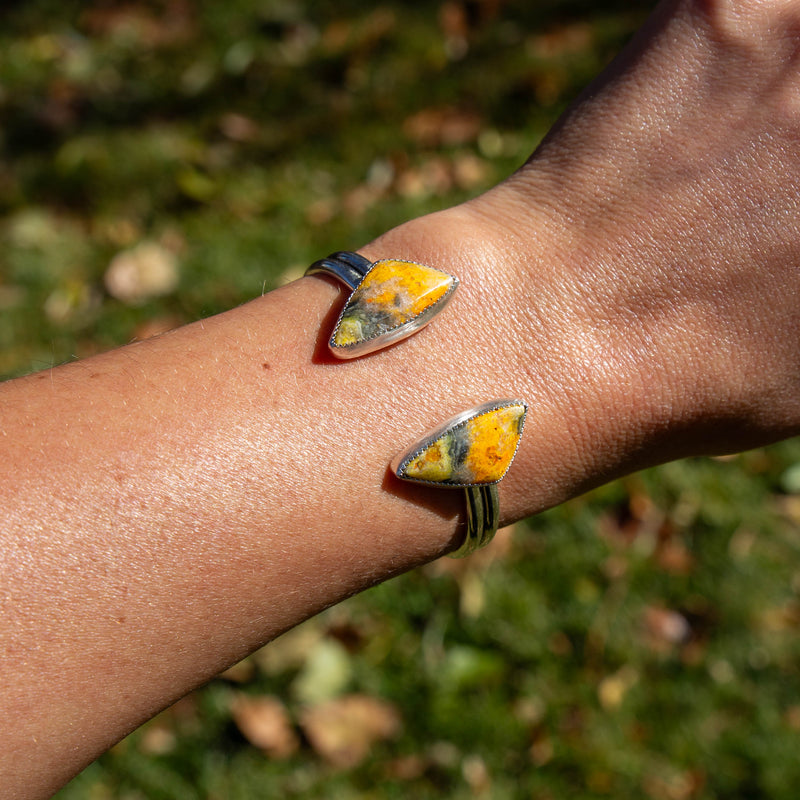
(637, 642)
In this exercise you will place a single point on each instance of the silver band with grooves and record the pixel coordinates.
(483, 517)
(349, 268)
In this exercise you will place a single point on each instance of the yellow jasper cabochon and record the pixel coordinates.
(478, 450)
(391, 294)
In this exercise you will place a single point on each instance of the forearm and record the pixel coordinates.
(170, 506)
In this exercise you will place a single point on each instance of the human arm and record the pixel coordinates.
(210, 488)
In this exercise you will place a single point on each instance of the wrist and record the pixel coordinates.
(517, 328)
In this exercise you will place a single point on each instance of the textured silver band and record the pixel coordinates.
(349, 268)
(483, 516)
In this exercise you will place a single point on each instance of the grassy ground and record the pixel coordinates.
(162, 161)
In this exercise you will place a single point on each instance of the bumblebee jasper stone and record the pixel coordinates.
(394, 299)
(469, 451)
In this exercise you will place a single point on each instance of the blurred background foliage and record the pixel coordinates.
(165, 160)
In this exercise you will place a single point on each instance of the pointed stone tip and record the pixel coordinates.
(476, 450)
(394, 296)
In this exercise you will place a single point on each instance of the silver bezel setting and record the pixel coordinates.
(352, 270)
(397, 334)
(401, 461)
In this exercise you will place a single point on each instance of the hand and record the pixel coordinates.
(643, 267)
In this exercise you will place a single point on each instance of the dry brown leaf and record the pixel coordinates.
(670, 783)
(432, 178)
(453, 19)
(407, 768)
(265, 723)
(469, 171)
(290, 650)
(542, 750)
(344, 730)
(455, 26)
(475, 773)
(791, 717)
(321, 211)
(238, 127)
(360, 199)
(433, 127)
(147, 270)
(174, 24)
(565, 40)
(789, 507)
(779, 618)
(674, 557)
(241, 672)
(157, 739)
(665, 628)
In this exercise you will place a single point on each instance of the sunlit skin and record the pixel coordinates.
(167, 508)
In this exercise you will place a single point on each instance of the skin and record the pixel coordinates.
(171, 506)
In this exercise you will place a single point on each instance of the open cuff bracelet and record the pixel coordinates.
(473, 451)
(390, 300)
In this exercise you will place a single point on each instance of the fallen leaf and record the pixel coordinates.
(241, 672)
(265, 723)
(674, 557)
(453, 19)
(542, 750)
(779, 618)
(469, 171)
(431, 179)
(475, 773)
(789, 507)
(344, 730)
(157, 739)
(791, 717)
(562, 41)
(455, 27)
(127, 22)
(289, 651)
(238, 127)
(665, 628)
(433, 127)
(407, 768)
(360, 199)
(670, 783)
(147, 270)
(321, 211)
